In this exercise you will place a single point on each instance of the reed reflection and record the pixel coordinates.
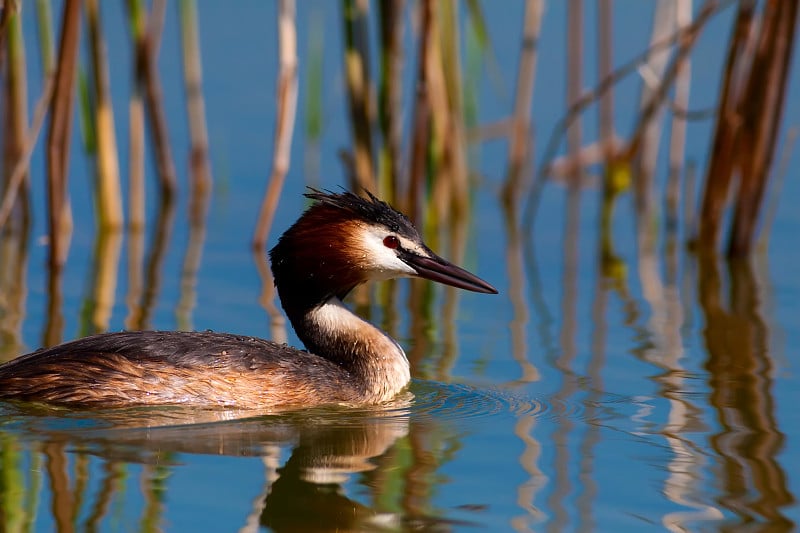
(105, 268)
(753, 483)
(141, 305)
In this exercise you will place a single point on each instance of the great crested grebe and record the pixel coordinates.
(339, 242)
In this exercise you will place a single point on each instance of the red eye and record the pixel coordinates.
(391, 242)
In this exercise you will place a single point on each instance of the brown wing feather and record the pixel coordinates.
(190, 368)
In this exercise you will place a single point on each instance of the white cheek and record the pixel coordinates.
(381, 261)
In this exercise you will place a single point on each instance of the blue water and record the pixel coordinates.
(566, 402)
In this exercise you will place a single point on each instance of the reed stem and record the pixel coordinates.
(109, 197)
(284, 123)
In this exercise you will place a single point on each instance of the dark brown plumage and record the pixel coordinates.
(342, 240)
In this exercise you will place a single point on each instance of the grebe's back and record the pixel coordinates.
(175, 367)
(340, 241)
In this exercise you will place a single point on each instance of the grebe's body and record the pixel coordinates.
(342, 240)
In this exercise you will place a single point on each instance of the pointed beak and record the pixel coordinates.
(438, 269)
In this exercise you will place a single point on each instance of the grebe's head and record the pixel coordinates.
(343, 240)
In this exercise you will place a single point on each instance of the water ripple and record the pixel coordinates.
(459, 402)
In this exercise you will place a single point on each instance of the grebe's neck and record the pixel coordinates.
(374, 359)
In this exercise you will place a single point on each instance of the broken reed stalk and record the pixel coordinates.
(519, 143)
(58, 137)
(200, 168)
(359, 91)
(16, 115)
(284, 121)
(390, 97)
(109, 197)
(762, 109)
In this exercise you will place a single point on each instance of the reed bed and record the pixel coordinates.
(409, 94)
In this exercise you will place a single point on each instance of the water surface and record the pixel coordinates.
(649, 392)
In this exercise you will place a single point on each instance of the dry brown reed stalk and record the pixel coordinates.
(286, 103)
(444, 150)
(721, 164)
(420, 133)
(109, 197)
(748, 121)
(154, 101)
(762, 108)
(16, 114)
(390, 98)
(200, 172)
(450, 188)
(519, 144)
(59, 134)
(359, 92)
(147, 36)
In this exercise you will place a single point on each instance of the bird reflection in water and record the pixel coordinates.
(308, 492)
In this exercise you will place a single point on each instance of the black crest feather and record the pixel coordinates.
(371, 209)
